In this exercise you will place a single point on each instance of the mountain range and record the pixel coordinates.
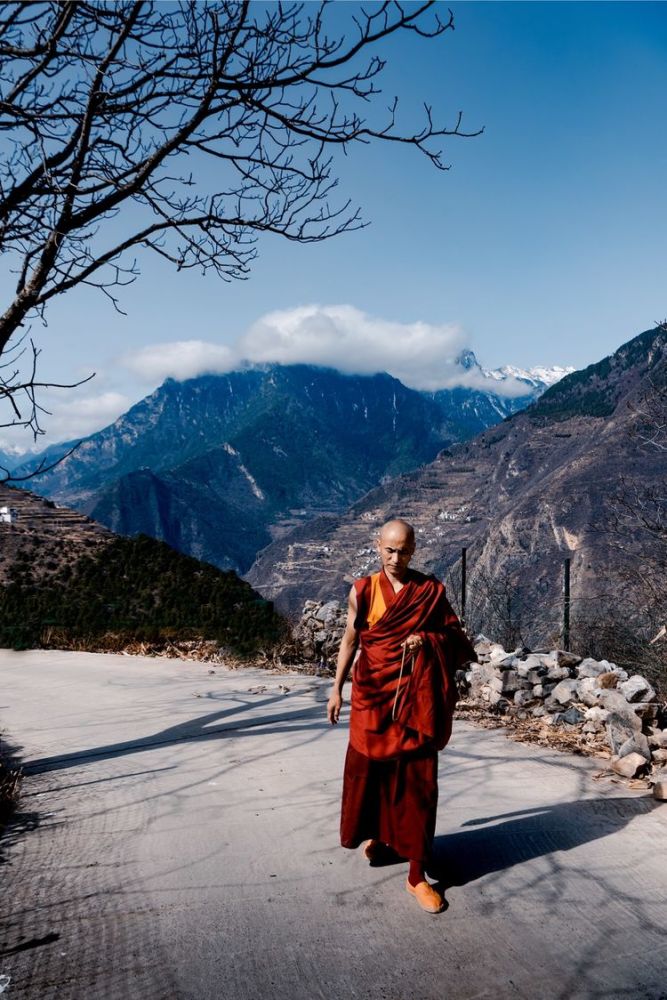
(520, 497)
(219, 466)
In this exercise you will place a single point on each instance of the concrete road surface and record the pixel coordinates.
(178, 838)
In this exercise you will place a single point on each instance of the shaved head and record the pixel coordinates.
(397, 526)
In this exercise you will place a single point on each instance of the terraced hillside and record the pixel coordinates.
(522, 497)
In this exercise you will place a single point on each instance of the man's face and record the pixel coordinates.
(396, 549)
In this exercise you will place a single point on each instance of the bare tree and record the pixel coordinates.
(495, 604)
(109, 111)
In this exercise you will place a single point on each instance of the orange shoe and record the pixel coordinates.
(427, 896)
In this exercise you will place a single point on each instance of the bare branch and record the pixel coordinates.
(110, 111)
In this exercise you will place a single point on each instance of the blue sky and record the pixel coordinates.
(543, 244)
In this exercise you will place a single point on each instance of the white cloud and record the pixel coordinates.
(180, 359)
(79, 417)
(69, 418)
(421, 355)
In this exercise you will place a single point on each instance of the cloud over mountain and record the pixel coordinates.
(421, 355)
(180, 359)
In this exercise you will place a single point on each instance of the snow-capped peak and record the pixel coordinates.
(538, 375)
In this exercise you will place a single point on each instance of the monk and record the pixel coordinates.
(403, 695)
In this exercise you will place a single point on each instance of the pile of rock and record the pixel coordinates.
(319, 631)
(562, 689)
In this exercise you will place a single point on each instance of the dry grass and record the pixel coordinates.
(567, 738)
(10, 784)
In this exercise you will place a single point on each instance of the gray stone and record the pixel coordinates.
(590, 727)
(597, 715)
(564, 658)
(480, 674)
(619, 730)
(539, 711)
(592, 668)
(537, 661)
(572, 716)
(329, 612)
(538, 691)
(320, 636)
(628, 766)
(659, 756)
(617, 705)
(657, 738)
(637, 688)
(557, 673)
(508, 662)
(482, 644)
(535, 674)
(510, 681)
(588, 690)
(637, 743)
(565, 691)
(522, 697)
(552, 704)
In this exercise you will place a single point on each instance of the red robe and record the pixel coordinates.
(390, 781)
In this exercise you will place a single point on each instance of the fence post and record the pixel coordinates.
(566, 605)
(463, 585)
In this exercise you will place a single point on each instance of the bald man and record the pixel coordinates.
(410, 644)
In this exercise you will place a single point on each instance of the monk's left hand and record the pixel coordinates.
(413, 643)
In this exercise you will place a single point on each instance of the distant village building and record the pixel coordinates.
(8, 515)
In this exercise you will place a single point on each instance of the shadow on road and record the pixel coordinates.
(467, 855)
(203, 727)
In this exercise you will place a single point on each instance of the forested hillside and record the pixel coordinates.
(64, 581)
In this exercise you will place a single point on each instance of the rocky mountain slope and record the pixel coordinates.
(521, 497)
(219, 466)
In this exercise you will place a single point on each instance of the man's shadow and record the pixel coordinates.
(470, 854)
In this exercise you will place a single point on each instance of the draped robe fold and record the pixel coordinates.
(399, 723)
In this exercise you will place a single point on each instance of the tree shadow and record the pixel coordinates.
(202, 727)
(18, 825)
(467, 855)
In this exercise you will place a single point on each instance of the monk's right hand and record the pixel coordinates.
(333, 707)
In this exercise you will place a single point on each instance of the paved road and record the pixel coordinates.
(177, 839)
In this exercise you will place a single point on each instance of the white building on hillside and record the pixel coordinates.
(8, 515)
